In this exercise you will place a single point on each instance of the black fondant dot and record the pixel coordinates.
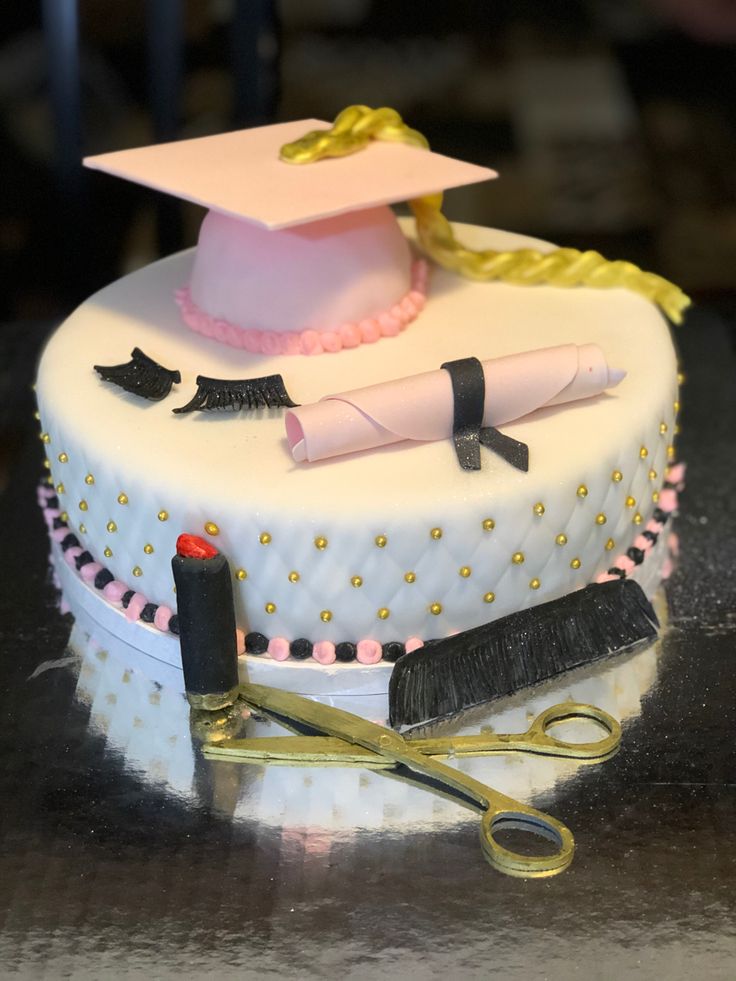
(174, 624)
(148, 612)
(59, 523)
(84, 558)
(660, 515)
(103, 577)
(615, 571)
(127, 597)
(345, 651)
(393, 651)
(52, 502)
(70, 541)
(256, 643)
(635, 554)
(651, 536)
(301, 648)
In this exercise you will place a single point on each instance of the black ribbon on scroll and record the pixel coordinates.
(468, 431)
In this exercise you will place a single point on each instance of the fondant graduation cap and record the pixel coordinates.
(295, 259)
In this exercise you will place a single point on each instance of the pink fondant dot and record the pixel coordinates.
(408, 308)
(59, 534)
(278, 648)
(89, 571)
(673, 543)
(324, 652)
(390, 326)
(417, 299)
(643, 543)
(667, 568)
(270, 342)
(350, 335)
(369, 331)
(676, 473)
(368, 651)
(250, 340)
(654, 526)
(239, 641)
(71, 554)
(64, 606)
(413, 644)
(606, 577)
(162, 617)
(419, 274)
(133, 611)
(51, 513)
(114, 591)
(668, 499)
(293, 343)
(311, 344)
(331, 341)
(625, 563)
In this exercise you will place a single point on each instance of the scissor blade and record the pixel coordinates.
(296, 751)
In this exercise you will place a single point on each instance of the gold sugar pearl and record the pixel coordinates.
(676, 429)
(111, 527)
(630, 502)
(488, 524)
(464, 571)
(241, 575)
(163, 515)
(489, 597)
(325, 616)
(517, 558)
(384, 613)
(83, 529)
(655, 497)
(320, 543)
(47, 465)
(211, 528)
(662, 428)
(652, 474)
(107, 552)
(582, 491)
(435, 609)
(83, 505)
(122, 498)
(37, 415)
(356, 582)
(60, 489)
(538, 509)
(64, 516)
(264, 538)
(561, 539)
(436, 533)
(637, 519)
(610, 545)
(137, 571)
(45, 438)
(410, 577)
(575, 563)
(643, 452)
(617, 476)
(294, 576)
(148, 549)
(600, 519)
(670, 453)
(89, 479)
(381, 541)
(534, 583)
(270, 607)
(63, 458)
(676, 406)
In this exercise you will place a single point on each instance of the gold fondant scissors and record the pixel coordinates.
(347, 739)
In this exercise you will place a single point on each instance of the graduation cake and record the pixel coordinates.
(421, 429)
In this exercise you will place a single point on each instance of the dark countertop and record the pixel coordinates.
(110, 871)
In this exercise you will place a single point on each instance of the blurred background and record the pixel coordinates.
(612, 123)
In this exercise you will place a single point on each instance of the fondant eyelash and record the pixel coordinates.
(140, 376)
(268, 392)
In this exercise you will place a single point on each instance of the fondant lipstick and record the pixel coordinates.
(206, 623)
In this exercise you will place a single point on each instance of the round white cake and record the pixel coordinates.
(394, 545)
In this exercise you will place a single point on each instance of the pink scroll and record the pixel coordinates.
(420, 407)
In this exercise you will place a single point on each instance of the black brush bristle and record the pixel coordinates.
(522, 649)
(267, 392)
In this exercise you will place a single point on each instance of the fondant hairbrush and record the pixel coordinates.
(421, 407)
(140, 376)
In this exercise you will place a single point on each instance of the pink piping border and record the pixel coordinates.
(368, 650)
(387, 324)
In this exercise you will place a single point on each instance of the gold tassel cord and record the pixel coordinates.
(356, 126)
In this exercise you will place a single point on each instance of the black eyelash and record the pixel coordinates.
(268, 392)
(141, 376)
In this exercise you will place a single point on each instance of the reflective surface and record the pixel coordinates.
(125, 853)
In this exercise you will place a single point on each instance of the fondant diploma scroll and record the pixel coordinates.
(421, 407)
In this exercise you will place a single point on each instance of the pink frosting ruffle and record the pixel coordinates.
(387, 324)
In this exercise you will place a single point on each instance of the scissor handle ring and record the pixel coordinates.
(534, 822)
(602, 748)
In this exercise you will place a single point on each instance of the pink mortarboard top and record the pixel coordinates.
(240, 174)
